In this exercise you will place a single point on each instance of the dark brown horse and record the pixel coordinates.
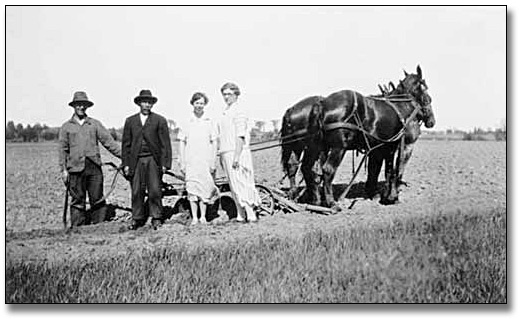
(413, 128)
(351, 121)
(411, 135)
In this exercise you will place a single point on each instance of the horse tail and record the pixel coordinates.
(286, 150)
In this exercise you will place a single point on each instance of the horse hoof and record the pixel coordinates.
(336, 208)
(387, 202)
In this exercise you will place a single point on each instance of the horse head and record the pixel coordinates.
(426, 113)
(413, 84)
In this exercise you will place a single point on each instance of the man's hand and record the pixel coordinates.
(126, 171)
(65, 176)
(163, 169)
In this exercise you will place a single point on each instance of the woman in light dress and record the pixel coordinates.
(236, 158)
(198, 149)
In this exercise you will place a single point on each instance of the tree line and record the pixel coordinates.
(35, 133)
(39, 133)
(260, 132)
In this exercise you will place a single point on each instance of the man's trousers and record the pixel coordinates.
(90, 181)
(146, 180)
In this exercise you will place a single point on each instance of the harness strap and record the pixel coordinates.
(389, 102)
(296, 133)
(350, 126)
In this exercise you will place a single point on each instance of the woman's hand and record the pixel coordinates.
(65, 176)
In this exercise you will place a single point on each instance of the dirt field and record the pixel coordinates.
(442, 176)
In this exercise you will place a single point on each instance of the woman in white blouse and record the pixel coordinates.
(198, 149)
(236, 158)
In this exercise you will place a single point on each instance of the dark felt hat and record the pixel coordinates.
(145, 95)
(80, 97)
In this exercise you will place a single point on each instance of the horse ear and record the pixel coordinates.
(392, 86)
(419, 71)
(381, 89)
(405, 73)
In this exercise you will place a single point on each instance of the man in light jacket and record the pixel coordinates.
(80, 161)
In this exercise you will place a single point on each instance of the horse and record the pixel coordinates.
(413, 128)
(411, 135)
(320, 150)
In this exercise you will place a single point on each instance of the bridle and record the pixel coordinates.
(420, 94)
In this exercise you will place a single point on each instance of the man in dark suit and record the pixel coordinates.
(146, 155)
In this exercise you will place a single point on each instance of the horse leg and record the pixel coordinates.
(408, 151)
(375, 159)
(290, 159)
(391, 194)
(335, 157)
(311, 176)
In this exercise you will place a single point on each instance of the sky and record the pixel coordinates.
(277, 56)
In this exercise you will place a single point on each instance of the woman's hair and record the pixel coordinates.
(232, 86)
(198, 95)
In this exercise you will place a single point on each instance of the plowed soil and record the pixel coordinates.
(442, 176)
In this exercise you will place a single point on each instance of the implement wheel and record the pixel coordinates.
(267, 200)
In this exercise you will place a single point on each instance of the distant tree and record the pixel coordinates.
(19, 130)
(10, 131)
(50, 133)
(259, 125)
(26, 133)
(501, 133)
(37, 130)
(478, 131)
(276, 125)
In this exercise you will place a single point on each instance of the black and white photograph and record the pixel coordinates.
(250, 154)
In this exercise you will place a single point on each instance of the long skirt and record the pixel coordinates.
(199, 181)
(241, 180)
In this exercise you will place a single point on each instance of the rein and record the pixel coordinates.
(294, 137)
(302, 133)
(359, 127)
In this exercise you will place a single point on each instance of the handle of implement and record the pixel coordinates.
(66, 203)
